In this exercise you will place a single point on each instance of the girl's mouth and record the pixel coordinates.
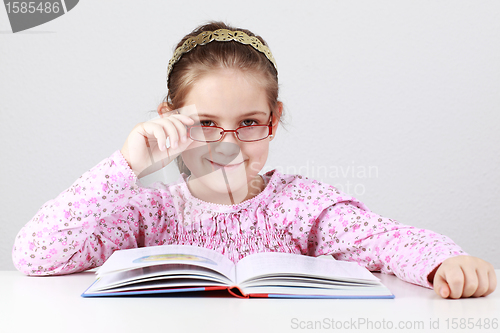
(226, 167)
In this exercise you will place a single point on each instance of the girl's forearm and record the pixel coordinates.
(71, 233)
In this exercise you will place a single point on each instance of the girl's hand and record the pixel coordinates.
(463, 276)
(146, 146)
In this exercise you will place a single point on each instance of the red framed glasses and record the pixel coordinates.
(249, 133)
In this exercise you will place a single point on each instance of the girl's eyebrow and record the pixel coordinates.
(251, 113)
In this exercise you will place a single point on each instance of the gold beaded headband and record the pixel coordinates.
(220, 35)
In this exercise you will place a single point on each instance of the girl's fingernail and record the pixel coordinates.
(174, 145)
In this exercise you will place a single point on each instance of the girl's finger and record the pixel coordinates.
(471, 281)
(492, 281)
(181, 128)
(156, 131)
(182, 117)
(175, 127)
(483, 283)
(441, 287)
(455, 279)
(171, 132)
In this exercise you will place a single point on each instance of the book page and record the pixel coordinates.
(161, 274)
(375, 291)
(301, 281)
(287, 264)
(165, 255)
(160, 284)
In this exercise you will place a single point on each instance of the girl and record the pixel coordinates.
(218, 119)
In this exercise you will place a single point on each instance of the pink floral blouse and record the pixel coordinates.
(107, 210)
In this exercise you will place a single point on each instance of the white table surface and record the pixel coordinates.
(54, 304)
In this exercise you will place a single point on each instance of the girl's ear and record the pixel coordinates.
(162, 109)
(276, 118)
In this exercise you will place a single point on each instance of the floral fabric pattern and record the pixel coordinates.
(107, 209)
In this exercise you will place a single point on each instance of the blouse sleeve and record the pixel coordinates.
(349, 231)
(85, 224)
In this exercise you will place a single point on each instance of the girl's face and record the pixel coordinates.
(229, 99)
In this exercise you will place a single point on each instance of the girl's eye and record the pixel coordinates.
(205, 122)
(249, 120)
(246, 122)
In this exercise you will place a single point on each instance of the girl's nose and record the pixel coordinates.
(228, 145)
(229, 137)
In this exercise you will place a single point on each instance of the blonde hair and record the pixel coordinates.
(198, 62)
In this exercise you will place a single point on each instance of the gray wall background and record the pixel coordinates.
(395, 102)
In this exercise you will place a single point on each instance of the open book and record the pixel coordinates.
(184, 268)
